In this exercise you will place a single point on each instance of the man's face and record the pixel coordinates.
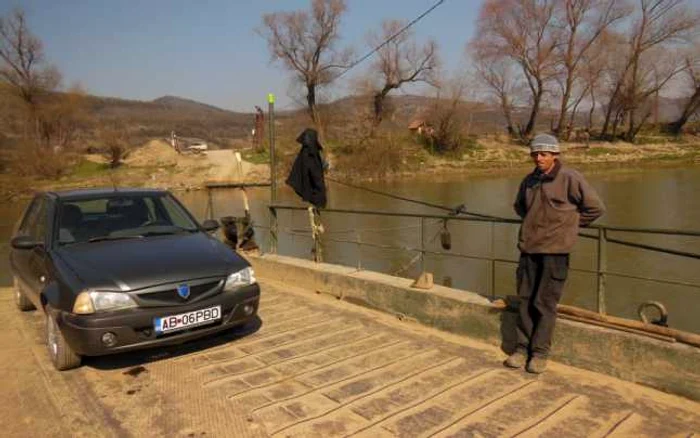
(544, 160)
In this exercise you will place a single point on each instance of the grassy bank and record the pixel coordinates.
(157, 166)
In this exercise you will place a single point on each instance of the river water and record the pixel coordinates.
(656, 198)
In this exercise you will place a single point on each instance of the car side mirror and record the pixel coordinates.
(24, 242)
(210, 225)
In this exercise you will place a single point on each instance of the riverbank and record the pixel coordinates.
(157, 165)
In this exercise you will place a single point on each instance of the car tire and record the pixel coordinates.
(62, 356)
(21, 300)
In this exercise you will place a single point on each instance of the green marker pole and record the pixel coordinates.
(271, 130)
(273, 173)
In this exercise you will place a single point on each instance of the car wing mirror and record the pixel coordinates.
(24, 242)
(210, 225)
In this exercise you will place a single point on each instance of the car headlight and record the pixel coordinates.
(93, 301)
(244, 277)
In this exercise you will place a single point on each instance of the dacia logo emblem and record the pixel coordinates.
(184, 291)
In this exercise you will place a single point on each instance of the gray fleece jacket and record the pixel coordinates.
(553, 206)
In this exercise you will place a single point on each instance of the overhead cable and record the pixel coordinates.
(391, 38)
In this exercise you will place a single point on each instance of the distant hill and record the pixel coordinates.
(223, 128)
(159, 117)
(180, 103)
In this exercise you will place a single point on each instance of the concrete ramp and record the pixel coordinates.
(316, 366)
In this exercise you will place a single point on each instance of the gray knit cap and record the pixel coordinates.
(544, 143)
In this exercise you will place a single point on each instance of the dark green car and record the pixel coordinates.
(123, 269)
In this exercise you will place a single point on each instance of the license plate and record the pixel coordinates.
(182, 321)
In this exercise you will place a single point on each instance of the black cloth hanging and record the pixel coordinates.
(306, 176)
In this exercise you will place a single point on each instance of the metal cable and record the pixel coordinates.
(390, 39)
(416, 201)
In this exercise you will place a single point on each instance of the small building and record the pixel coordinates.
(420, 127)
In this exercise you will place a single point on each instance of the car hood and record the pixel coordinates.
(139, 263)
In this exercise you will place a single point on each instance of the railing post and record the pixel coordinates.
(210, 205)
(422, 247)
(602, 268)
(492, 262)
(273, 230)
(359, 251)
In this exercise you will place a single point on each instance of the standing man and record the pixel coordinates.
(553, 201)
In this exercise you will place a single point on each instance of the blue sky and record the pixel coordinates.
(208, 50)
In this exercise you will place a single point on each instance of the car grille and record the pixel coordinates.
(169, 297)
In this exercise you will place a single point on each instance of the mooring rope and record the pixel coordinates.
(455, 211)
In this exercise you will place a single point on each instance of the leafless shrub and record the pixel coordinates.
(369, 157)
(445, 120)
(31, 159)
(116, 146)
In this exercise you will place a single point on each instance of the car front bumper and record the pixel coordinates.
(134, 328)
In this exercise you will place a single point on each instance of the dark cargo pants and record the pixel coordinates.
(540, 282)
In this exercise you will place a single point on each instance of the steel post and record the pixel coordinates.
(422, 246)
(602, 268)
(273, 230)
(492, 263)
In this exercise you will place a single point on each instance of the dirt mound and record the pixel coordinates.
(154, 153)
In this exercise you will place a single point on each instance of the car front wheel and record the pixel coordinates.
(21, 300)
(62, 356)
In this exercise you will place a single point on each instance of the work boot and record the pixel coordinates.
(537, 365)
(516, 360)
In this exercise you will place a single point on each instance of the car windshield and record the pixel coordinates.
(121, 217)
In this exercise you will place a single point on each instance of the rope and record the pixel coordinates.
(410, 263)
(455, 211)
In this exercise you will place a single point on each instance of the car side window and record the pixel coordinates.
(28, 217)
(34, 224)
(38, 229)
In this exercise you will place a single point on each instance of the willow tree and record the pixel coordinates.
(51, 117)
(650, 59)
(499, 76)
(691, 81)
(523, 31)
(584, 23)
(305, 42)
(399, 61)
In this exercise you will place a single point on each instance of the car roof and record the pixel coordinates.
(79, 194)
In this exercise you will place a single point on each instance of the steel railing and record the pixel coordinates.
(599, 233)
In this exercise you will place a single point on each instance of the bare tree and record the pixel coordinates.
(446, 118)
(305, 42)
(658, 28)
(60, 117)
(692, 104)
(45, 120)
(584, 22)
(594, 69)
(24, 66)
(522, 30)
(499, 76)
(399, 62)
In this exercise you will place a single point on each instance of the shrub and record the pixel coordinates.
(31, 160)
(116, 146)
(373, 157)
